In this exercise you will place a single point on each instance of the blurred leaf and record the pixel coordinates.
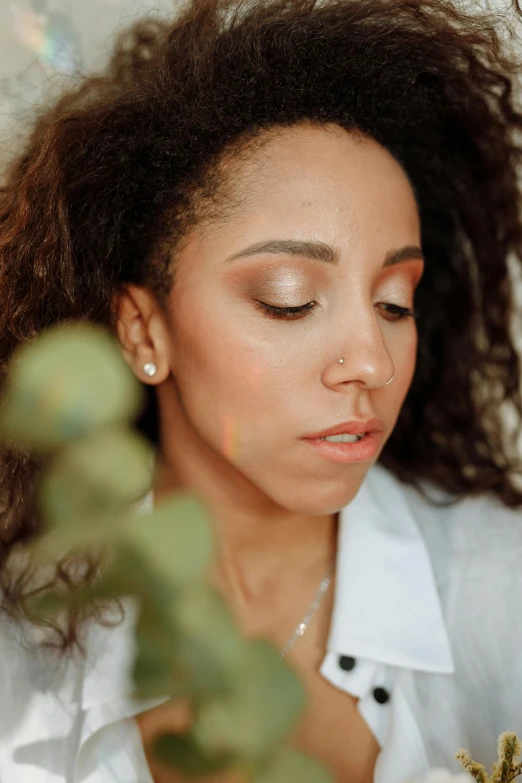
(184, 754)
(67, 381)
(52, 602)
(266, 702)
(131, 572)
(56, 543)
(121, 572)
(288, 766)
(157, 663)
(210, 647)
(152, 669)
(96, 478)
(175, 539)
(166, 661)
(48, 604)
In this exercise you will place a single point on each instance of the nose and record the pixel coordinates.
(366, 358)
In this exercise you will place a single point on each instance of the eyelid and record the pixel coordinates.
(279, 311)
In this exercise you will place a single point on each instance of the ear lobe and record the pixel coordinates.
(158, 336)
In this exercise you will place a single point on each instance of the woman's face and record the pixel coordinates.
(253, 383)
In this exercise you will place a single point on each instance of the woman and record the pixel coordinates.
(297, 219)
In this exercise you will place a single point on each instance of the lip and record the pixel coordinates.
(344, 453)
(354, 427)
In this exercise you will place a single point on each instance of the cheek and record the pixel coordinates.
(213, 353)
(226, 379)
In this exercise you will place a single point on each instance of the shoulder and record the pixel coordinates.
(475, 527)
(475, 535)
(475, 547)
(474, 542)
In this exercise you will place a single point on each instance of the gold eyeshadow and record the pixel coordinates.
(285, 285)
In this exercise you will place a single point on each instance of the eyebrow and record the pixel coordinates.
(319, 251)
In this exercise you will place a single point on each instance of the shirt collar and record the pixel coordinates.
(387, 606)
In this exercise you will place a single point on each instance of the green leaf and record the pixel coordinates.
(64, 383)
(47, 604)
(183, 753)
(265, 704)
(52, 602)
(210, 647)
(95, 479)
(187, 663)
(152, 668)
(175, 539)
(128, 572)
(288, 766)
(155, 636)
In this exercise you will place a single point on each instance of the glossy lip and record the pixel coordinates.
(344, 453)
(354, 427)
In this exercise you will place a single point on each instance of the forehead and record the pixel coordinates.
(316, 183)
(305, 156)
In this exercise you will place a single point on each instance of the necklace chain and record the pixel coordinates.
(307, 619)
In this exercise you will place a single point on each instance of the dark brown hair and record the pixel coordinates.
(116, 172)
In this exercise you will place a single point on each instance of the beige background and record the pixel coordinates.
(46, 43)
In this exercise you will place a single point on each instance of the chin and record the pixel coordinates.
(320, 510)
(309, 494)
(322, 502)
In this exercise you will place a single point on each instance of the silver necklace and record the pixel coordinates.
(307, 619)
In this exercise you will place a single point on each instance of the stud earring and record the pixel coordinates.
(149, 368)
(341, 361)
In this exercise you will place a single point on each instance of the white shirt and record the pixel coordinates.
(428, 609)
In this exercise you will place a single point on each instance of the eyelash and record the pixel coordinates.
(291, 312)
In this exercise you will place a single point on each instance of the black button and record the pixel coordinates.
(347, 663)
(381, 695)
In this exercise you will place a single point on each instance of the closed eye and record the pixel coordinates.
(290, 313)
(285, 312)
(401, 312)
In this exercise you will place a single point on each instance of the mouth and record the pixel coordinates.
(344, 437)
(346, 448)
(347, 431)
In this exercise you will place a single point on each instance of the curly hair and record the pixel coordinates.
(116, 172)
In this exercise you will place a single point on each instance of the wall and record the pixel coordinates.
(46, 43)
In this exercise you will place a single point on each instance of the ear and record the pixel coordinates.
(143, 332)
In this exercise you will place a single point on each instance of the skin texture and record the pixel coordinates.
(238, 389)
